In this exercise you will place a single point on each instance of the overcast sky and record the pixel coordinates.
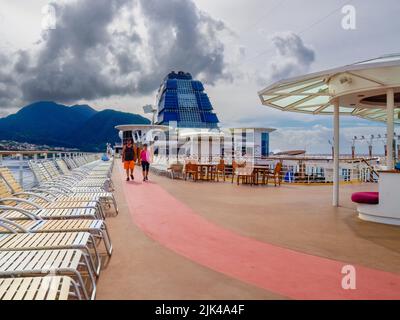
(114, 53)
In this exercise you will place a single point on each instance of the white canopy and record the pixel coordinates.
(360, 86)
(368, 89)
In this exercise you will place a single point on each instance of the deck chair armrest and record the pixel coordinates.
(66, 182)
(67, 178)
(79, 174)
(59, 185)
(71, 179)
(65, 189)
(76, 174)
(48, 183)
(49, 190)
(31, 194)
(11, 226)
(30, 215)
(18, 200)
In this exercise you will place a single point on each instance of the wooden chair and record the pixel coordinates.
(220, 170)
(246, 174)
(176, 169)
(276, 175)
(192, 170)
(234, 168)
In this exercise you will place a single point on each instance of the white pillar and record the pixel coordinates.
(336, 126)
(390, 128)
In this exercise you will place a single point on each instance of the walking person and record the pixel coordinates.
(145, 158)
(129, 158)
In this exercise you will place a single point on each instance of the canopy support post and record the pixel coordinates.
(390, 128)
(336, 126)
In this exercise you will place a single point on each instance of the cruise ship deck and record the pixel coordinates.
(176, 239)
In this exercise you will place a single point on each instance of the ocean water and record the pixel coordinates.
(28, 179)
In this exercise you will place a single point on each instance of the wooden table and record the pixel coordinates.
(264, 170)
(209, 169)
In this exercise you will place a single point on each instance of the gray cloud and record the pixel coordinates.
(292, 58)
(9, 87)
(98, 50)
(187, 39)
(75, 61)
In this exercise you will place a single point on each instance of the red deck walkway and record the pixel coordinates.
(286, 272)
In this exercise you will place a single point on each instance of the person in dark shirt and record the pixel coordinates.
(129, 157)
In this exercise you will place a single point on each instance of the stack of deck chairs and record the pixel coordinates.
(54, 238)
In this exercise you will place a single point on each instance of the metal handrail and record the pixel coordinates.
(302, 169)
(372, 172)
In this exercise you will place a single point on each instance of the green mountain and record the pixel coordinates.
(78, 126)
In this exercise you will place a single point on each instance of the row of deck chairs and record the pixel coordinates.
(53, 237)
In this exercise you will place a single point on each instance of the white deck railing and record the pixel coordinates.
(17, 161)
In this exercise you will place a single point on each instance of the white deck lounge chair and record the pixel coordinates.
(85, 182)
(31, 263)
(39, 288)
(97, 228)
(83, 241)
(39, 202)
(15, 213)
(107, 198)
(46, 180)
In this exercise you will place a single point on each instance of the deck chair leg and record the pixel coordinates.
(115, 205)
(96, 253)
(76, 292)
(96, 266)
(91, 276)
(81, 283)
(107, 240)
(86, 253)
(101, 212)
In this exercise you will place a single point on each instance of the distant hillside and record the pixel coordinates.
(77, 126)
(103, 125)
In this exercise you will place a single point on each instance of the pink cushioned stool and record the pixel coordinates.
(366, 197)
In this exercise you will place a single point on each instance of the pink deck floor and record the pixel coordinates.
(283, 271)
